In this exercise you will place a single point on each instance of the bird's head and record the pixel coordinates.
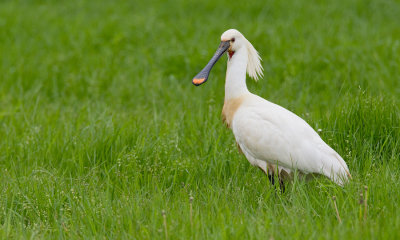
(231, 41)
(235, 39)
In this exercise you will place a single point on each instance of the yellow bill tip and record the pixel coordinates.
(198, 81)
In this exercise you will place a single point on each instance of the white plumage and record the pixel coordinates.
(270, 136)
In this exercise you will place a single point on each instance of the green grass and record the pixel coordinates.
(101, 128)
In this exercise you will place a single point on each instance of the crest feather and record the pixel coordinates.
(254, 67)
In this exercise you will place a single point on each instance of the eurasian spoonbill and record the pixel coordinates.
(270, 136)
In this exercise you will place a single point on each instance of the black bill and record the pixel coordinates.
(202, 76)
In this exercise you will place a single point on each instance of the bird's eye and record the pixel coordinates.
(233, 40)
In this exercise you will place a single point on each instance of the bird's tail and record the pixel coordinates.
(338, 173)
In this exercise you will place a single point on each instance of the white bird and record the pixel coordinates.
(271, 137)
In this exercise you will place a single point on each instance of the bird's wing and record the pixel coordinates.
(262, 138)
(273, 134)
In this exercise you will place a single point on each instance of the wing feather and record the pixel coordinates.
(273, 134)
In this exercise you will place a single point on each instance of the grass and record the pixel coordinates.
(101, 129)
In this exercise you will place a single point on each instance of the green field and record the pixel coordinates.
(101, 128)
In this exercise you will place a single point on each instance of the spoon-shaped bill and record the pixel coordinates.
(202, 76)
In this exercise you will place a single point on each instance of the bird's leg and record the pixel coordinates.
(271, 179)
(269, 175)
(281, 185)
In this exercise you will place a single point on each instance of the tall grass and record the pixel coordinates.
(101, 129)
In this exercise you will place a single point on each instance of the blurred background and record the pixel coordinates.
(96, 96)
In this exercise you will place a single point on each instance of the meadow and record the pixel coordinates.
(103, 135)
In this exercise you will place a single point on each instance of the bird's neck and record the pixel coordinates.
(235, 82)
